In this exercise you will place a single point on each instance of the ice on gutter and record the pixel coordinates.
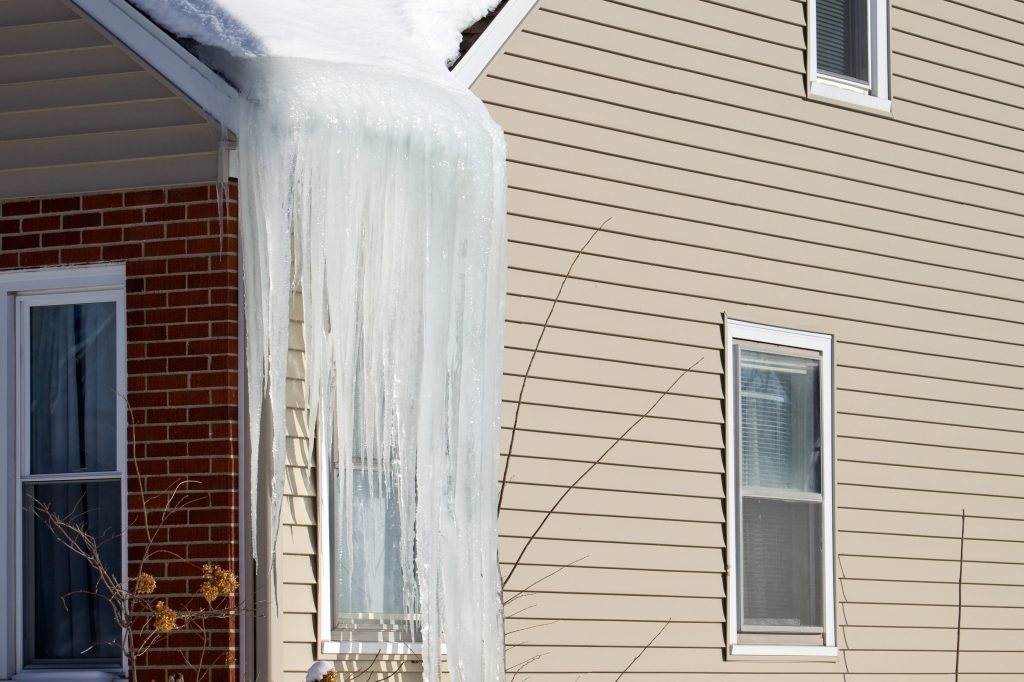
(374, 183)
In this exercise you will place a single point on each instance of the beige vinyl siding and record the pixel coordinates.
(79, 113)
(726, 192)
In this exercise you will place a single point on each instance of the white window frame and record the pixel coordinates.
(781, 644)
(329, 644)
(876, 95)
(73, 285)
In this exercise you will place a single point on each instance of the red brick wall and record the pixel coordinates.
(180, 248)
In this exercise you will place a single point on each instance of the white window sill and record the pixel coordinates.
(784, 651)
(69, 676)
(334, 648)
(827, 92)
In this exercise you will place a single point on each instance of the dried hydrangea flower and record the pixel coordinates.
(145, 584)
(165, 618)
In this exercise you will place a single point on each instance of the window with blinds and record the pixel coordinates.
(848, 52)
(779, 475)
(843, 40)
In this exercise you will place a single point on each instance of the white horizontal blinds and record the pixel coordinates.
(842, 39)
(72, 429)
(780, 490)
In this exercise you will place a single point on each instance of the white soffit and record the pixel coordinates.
(491, 41)
(164, 55)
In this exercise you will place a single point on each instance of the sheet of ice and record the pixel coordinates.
(413, 36)
(381, 197)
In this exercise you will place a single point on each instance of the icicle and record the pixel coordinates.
(381, 197)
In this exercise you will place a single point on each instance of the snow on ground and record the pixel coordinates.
(413, 36)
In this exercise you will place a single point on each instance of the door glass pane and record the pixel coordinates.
(67, 617)
(367, 551)
(780, 421)
(73, 388)
(842, 38)
(781, 563)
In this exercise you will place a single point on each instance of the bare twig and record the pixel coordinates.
(644, 650)
(590, 468)
(533, 355)
(526, 590)
(960, 593)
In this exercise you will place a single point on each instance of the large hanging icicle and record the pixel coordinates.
(381, 197)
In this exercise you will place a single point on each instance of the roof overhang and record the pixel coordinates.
(494, 37)
(163, 54)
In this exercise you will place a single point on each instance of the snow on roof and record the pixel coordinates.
(414, 36)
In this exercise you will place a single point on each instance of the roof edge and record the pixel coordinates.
(162, 53)
(490, 42)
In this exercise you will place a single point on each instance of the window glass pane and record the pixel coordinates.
(367, 551)
(780, 421)
(66, 617)
(781, 563)
(73, 386)
(842, 40)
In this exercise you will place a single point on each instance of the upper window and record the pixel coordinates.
(64, 408)
(780, 472)
(848, 51)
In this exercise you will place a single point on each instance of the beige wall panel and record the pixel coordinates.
(794, 233)
(628, 401)
(614, 529)
(929, 434)
(854, 591)
(898, 546)
(901, 615)
(611, 555)
(677, 44)
(48, 36)
(575, 58)
(624, 349)
(300, 598)
(658, 659)
(990, 640)
(994, 529)
(20, 68)
(612, 633)
(872, 381)
(298, 511)
(978, 18)
(299, 540)
(912, 455)
(1008, 95)
(866, 496)
(950, 36)
(884, 568)
(1001, 573)
(598, 606)
(770, 22)
(614, 581)
(297, 627)
(19, 12)
(1002, 419)
(870, 521)
(551, 115)
(680, 118)
(896, 639)
(83, 91)
(637, 374)
(98, 118)
(996, 485)
(941, 107)
(994, 595)
(629, 150)
(534, 497)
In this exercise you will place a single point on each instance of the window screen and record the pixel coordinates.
(842, 39)
(780, 490)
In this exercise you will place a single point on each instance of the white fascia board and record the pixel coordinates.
(491, 41)
(163, 54)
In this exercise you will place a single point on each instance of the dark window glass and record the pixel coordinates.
(842, 39)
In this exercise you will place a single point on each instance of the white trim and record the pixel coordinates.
(162, 53)
(19, 290)
(875, 96)
(821, 343)
(828, 652)
(490, 42)
(335, 648)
